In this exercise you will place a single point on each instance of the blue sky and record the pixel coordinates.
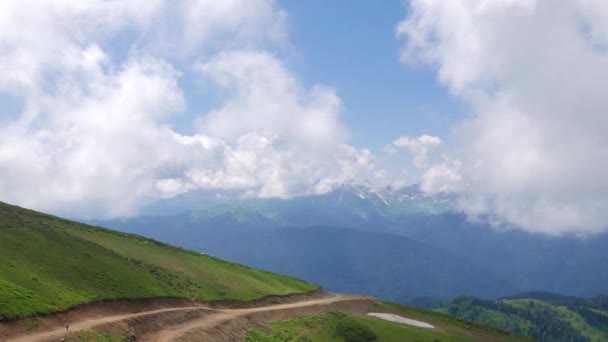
(352, 46)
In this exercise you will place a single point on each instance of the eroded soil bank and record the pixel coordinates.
(170, 319)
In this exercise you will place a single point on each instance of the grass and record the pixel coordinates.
(51, 264)
(323, 327)
(31, 325)
(450, 324)
(94, 336)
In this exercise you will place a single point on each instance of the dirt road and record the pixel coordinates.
(228, 314)
(206, 318)
(88, 324)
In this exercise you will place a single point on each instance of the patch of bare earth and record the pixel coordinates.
(89, 311)
(232, 325)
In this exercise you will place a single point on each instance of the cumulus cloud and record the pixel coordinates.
(266, 99)
(99, 82)
(419, 147)
(271, 137)
(442, 177)
(534, 73)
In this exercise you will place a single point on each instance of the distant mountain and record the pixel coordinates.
(390, 267)
(350, 205)
(552, 298)
(522, 261)
(539, 315)
(533, 262)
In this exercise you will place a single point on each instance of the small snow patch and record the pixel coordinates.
(399, 319)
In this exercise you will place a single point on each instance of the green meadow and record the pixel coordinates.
(340, 327)
(50, 264)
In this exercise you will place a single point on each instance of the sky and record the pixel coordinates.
(107, 105)
(351, 45)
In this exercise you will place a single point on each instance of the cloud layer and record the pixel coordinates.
(94, 85)
(534, 73)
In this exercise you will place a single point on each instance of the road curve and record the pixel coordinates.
(222, 315)
(171, 333)
(59, 333)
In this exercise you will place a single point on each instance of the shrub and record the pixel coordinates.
(352, 331)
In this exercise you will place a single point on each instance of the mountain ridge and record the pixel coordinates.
(543, 316)
(526, 261)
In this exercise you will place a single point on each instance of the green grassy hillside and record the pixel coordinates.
(339, 327)
(50, 264)
(544, 318)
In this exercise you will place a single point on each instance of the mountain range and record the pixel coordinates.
(416, 240)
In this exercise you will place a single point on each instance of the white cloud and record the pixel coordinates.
(100, 80)
(534, 74)
(272, 137)
(266, 99)
(267, 167)
(418, 147)
(93, 145)
(442, 177)
(183, 27)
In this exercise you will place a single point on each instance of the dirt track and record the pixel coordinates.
(200, 322)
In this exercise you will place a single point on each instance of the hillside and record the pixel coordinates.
(50, 264)
(338, 327)
(542, 316)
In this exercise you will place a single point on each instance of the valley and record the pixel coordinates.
(396, 232)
